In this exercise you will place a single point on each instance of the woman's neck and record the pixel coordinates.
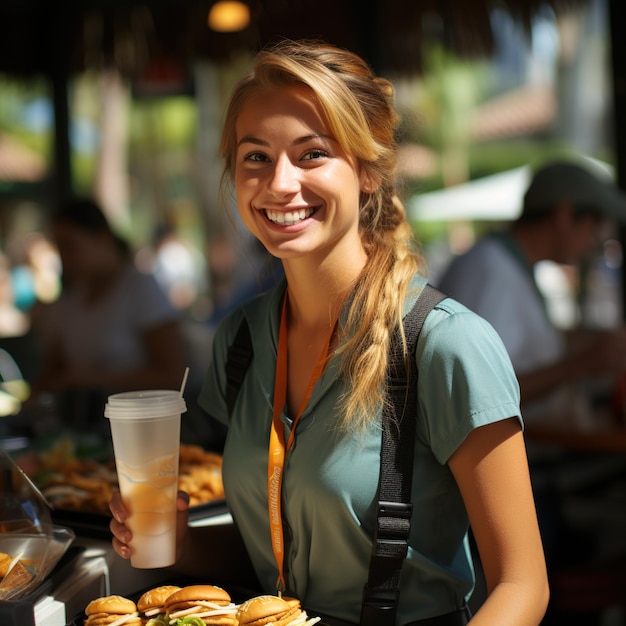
(318, 291)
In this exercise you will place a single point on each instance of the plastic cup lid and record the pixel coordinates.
(149, 404)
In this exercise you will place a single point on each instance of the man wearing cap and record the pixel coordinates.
(563, 210)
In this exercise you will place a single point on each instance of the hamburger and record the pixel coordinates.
(273, 611)
(151, 605)
(112, 610)
(200, 605)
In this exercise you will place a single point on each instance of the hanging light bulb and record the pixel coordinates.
(229, 16)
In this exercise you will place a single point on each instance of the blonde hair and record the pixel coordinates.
(359, 110)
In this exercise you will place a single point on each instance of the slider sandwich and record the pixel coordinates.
(152, 605)
(273, 611)
(112, 611)
(201, 605)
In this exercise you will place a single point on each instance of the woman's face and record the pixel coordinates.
(297, 189)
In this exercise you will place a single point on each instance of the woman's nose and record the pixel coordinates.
(284, 178)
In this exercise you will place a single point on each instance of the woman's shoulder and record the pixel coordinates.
(451, 320)
(451, 326)
(445, 308)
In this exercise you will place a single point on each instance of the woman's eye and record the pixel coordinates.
(315, 154)
(255, 156)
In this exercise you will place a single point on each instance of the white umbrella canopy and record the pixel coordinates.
(491, 198)
(497, 197)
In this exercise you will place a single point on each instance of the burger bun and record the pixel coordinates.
(108, 609)
(267, 609)
(155, 598)
(192, 593)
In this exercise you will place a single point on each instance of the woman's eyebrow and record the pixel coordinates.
(300, 140)
(254, 140)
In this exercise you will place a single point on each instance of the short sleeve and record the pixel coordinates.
(466, 379)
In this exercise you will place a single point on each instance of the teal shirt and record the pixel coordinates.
(330, 480)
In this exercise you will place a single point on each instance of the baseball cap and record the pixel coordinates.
(560, 181)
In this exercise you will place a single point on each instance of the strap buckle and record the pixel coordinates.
(392, 532)
(387, 509)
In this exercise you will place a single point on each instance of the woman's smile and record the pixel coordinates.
(287, 217)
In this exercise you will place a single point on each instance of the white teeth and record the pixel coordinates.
(288, 218)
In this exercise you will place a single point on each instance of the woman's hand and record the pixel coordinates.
(122, 534)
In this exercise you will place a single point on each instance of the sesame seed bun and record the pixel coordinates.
(192, 593)
(108, 609)
(267, 609)
(111, 604)
(155, 598)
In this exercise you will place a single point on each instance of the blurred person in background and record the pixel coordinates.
(13, 321)
(238, 273)
(35, 271)
(112, 329)
(565, 211)
(178, 267)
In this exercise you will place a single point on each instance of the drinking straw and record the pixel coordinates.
(182, 387)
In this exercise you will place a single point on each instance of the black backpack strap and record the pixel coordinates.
(238, 360)
(381, 593)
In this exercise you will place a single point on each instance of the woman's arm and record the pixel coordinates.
(491, 470)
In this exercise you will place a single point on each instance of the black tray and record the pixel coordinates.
(96, 526)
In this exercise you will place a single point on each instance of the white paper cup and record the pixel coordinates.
(145, 427)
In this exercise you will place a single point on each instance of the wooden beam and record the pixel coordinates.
(59, 75)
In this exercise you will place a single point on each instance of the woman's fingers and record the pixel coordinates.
(122, 534)
(117, 507)
(182, 501)
(121, 549)
(121, 538)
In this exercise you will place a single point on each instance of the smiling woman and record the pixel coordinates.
(309, 143)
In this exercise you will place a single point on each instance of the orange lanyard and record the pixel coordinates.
(277, 448)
